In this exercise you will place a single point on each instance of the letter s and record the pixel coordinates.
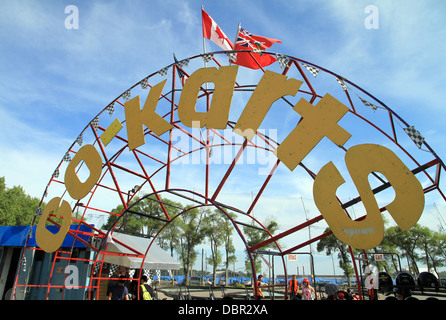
(361, 160)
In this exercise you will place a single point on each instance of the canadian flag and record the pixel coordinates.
(213, 32)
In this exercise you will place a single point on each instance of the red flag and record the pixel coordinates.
(253, 60)
(213, 32)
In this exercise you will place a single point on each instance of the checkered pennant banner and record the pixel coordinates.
(23, 264)
(126, 95)
(131, 273)
(144, 83)
(111, 108)
(67, 157)
(158, 274)
(312, 69)
(30, 232)
(56, 173)
(147, 273)
(183, 63)
(416, 137)
(162, 72)
(232, 56)
(80, 139)
(207, 57)
(97, 268)
(342, 84)
(95, 123)
(38, 211)
(113, 268)
(368, 104)
(283, 60)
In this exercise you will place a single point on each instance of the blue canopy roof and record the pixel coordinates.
(15, 236)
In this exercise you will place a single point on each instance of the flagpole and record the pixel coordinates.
(204, 43)
(236, 37)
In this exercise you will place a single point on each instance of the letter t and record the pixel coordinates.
(318, 121)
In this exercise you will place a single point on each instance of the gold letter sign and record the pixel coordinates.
(361, 160)
(45, 239)
(317, 122)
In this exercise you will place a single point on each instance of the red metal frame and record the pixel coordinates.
(111, 167)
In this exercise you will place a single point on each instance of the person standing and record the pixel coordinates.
(119, 291)
(308, 291)
(259, 293)
(293, 288)
(145, 290)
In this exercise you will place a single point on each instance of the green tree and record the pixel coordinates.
(331, 244)
(191, 234)
(409, 242)
(254, 236)
(230, 257)
(215, 234)
(16, 207)
(145, 216)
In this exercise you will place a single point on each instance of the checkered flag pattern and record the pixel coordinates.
(97, 268)
(312, 69)
(126, 95)
(183, 63)
(24, 264)
(368, 104)
(416, 137)
(232, 56)
(144, 83)
(207, 57)
(95, 123)
(342, 84)
(56, 173)
(158, 274)
(283, 60)
(111, 108)
(38, 211)
(80, 139)
(67, 157)
(113, 268)
(30, 232)
(131, 273)
(147, 273)
(162, 72)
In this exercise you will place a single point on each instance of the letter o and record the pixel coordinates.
(92, 160)
(45, 239)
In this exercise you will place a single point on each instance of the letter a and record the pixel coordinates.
(217, 115)
(372, 20)
(72, 21)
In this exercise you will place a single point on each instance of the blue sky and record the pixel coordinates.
(54, 80)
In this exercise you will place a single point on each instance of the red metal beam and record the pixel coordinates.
(228, 172)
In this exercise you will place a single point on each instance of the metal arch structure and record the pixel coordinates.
(150, 166)
(209, 203)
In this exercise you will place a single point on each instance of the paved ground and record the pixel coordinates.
(239, 294)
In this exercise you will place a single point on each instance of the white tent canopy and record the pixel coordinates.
(156, 258)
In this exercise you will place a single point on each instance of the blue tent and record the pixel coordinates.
(15, 236)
